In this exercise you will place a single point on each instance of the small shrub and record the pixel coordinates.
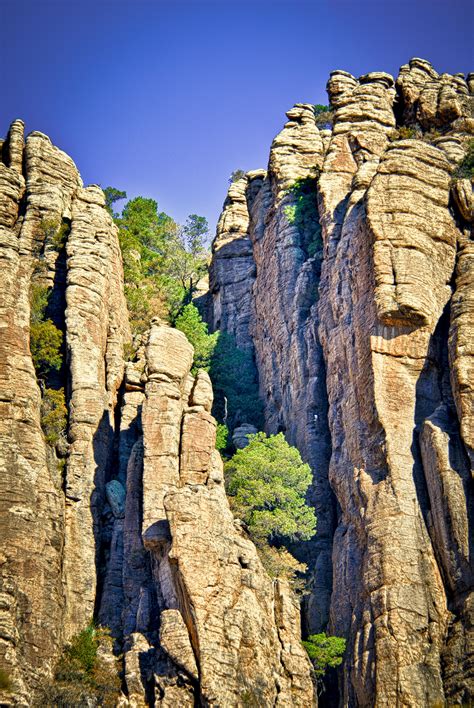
(45, 345)
(465, 169)
(53, 415)
(405, 133)
(323, 116)
(5, 681)
(86, 674)
(279, 563)
(236, 175)
(129, 351)
(39, 295)
(325, 652)
(79, 657)
(55, 232)
(431, 135)
(222, 437)
(45, 338)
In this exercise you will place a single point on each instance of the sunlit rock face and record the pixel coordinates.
(124, 518)
(363, 345)
(226, 630)
(50, 518)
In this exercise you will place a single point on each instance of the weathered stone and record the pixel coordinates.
(461, 345)
(116, 497)
(232, 270)
(414, 233)
(202, 394)
(366, 318)
(174, 639)
(96, 329)
(37, 511)
(228, 607)
(240, 435)
(463, 195)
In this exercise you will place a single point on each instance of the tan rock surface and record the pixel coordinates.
(34, 594)
(193, 574)
(391, 297)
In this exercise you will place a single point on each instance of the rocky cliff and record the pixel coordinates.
(347, 268)
(123, 517)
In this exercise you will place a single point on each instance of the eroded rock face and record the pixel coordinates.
(232, 270)
(370, 335)
(196, 574)
(48, 522)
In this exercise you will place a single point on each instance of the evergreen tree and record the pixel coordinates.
(267, 483)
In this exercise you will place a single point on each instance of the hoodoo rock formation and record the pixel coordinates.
(346, 269)
(125, 520)
(358, 302)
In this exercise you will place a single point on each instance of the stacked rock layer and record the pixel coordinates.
(364, 346)
(123, 519)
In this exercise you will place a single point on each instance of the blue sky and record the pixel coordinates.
(164, 98)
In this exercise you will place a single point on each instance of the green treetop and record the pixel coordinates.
(267, 482)
(325, 652)
(113, 195)
(190, 322)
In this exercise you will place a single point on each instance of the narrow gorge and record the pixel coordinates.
(345, 273)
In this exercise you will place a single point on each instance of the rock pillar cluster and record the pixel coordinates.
(360, 316)
(123, 516)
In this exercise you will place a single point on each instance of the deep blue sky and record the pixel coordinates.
(164, 98)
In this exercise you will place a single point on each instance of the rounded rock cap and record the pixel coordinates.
(377, 77)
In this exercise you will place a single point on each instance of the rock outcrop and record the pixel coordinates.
(346, 270)
(123, 517)
(360, 318)
(50, 518)
(214, 628)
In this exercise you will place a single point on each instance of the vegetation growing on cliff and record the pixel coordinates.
(45, 338)
(53, 414)
(323, 116)
(5, 681)
(162, 261)
(465, 169)
(236, 175)
(190, 322)
(86, 674)
(325, 652)
(303, 213)
(231, 369)
(267, 483)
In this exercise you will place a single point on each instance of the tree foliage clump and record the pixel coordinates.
(323, 116)
(303, 213)
(325, 652)
(222, 438)
(190, 322)
(162, 261)
(236, 175)
(232, 370)
(267, 482)
(465, 169)
(55, 232)
(45, 338)
(86, 674)
(53, 414)
(112, 195)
